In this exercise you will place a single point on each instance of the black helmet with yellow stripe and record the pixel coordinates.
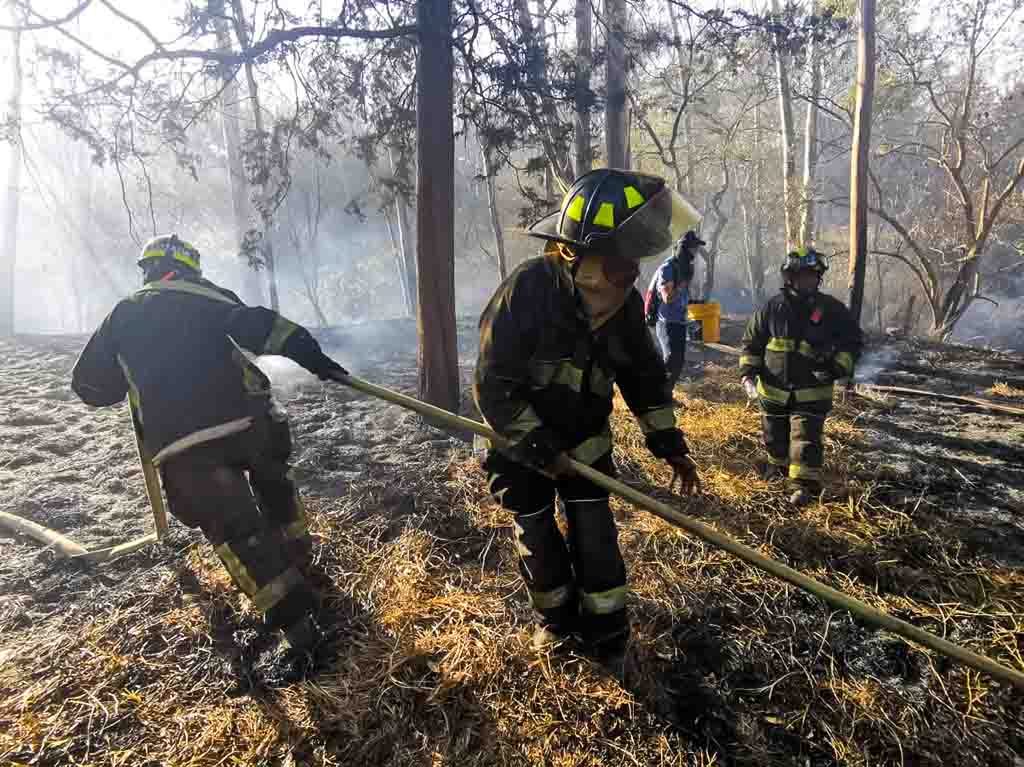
(633, 215)
(169, 247)
(804, 258)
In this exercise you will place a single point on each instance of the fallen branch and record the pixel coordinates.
(948, 397)
(61, 543)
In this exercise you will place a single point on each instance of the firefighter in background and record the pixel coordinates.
(794, 348)
(671, 286)
(557, 334)
(177, 349)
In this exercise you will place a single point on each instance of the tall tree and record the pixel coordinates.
(492, 204)
(808, 199)
(435, 206)
(791, 194)
(615, 82)
(859, 158)
(12, 192)
(252, 289)
(584, 61)
(399, 171)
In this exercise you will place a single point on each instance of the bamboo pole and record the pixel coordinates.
(153, 490)
(710, 535)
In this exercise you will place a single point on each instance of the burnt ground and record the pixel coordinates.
(151, 659)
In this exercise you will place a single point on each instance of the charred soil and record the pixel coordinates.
(152, 659)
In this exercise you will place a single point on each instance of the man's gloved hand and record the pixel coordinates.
(670, 446)
(303, 349)
(538, 449)
(750, 389)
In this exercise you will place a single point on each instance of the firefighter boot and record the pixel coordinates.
(804, 493)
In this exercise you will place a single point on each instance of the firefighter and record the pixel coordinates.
(672, 283)
(794, 348)
(559, 331)
(177, 348)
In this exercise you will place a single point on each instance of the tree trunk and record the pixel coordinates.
(435, 206)
(859, 158)
(266, 201)
(584, 61)
(809, 194)
(252, 289)
(790, 192)
(9, 242)
(396, 248)
(615, 102)
(405, 241)
(492, 205)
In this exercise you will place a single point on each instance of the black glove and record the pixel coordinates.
(538, 449)
(667, 443)
(303, 349)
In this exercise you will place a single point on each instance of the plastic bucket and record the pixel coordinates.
(709, 315)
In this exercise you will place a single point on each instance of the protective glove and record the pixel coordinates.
(670, 446)
(538, 449)
(750, 389)
(302, 348)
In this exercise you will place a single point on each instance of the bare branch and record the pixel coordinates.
(44, 22)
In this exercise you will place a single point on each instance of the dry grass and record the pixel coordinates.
(428, 628)
(1002, 389)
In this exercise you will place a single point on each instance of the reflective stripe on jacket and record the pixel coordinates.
(540, 364)
(177, 348)
(795, 347)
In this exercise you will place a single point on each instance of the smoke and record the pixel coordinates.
(874, 363)
(999, 326)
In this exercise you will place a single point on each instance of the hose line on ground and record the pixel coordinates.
(708, 534)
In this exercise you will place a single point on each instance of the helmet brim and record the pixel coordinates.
(547, 229)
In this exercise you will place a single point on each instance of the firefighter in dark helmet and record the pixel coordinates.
(177, 349)
(794, 347)
(555, 337)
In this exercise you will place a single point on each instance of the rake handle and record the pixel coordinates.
(708, 534)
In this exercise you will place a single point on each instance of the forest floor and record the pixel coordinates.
(149, 660)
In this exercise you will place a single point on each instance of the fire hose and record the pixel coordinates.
(831, 596)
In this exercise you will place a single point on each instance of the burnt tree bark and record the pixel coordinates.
(435, 207)
(859, 158)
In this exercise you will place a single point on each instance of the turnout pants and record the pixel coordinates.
(576, 582)
(672, 339)
(793, 438)
(239, 491)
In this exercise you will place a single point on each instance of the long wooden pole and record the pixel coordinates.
(710, 535)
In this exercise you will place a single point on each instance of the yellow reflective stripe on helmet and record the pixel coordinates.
(605, 216)
(801, 471)
(814, 394)
(181, 286)
(594, 448)
(781, 345)
(656, 420)
(279, 333)
(276, 590)
(604, 602)
(575, 209)
(749, 360)
(770, 393)
(547, 600)
(633, 198)
(239, 572)
(526, 421)
(845, 361)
